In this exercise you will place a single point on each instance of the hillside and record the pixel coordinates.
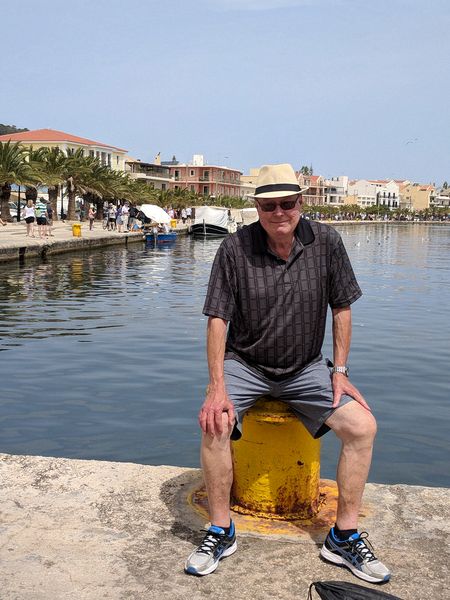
(4, 129)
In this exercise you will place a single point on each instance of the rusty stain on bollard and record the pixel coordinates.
(314, 528)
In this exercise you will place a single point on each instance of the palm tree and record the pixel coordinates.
(14, 168)
(77, 169)
(49, 170)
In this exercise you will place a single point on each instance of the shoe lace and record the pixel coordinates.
(363, 547)
(210, 541)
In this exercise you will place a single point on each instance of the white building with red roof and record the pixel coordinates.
(375, 192)
(111, 156)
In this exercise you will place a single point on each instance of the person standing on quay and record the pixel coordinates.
(111, 217)
(29, 214)
(41, 217)
(91, 217)
(125, 216)
(50, 218)
(272, 283)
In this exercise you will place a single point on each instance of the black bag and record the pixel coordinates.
(341, 590)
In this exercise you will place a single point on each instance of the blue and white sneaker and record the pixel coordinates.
(357, 554)
(215, 546)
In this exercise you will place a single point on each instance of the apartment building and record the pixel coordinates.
(416, 196)
(336, 190)
(248, 184)
(315, 194)
(203, 179)
(154, 174)
(441, 198)
(375, 192)
(51, 138)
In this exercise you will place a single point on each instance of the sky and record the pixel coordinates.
(351, 87)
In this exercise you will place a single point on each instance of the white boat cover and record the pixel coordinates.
(212, 215)
(155, 213)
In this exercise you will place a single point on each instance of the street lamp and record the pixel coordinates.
(18, 205)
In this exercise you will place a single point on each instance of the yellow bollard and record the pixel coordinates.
(276, 464)
(76, 230)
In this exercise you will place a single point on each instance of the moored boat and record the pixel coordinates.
(211, 221)
(156, 225)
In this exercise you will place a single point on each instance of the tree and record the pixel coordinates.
(14, 168)
(307, 171)
(5, 129)
(49, 169)
(77, 170)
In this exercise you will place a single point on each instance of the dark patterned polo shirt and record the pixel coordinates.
(277, 309)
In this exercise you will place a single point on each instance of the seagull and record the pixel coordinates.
(411, 141)
(358, 244)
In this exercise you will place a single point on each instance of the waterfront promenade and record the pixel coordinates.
(15, 245)
(86, 530)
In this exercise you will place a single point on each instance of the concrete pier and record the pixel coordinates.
(87, 530)
(15, 246)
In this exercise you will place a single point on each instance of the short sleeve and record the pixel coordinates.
(222, 288)
(344, 289)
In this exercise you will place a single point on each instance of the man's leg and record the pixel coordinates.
(220, 539)
(217, 468)
(356, 428)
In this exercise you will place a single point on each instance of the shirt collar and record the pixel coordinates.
(303, 233)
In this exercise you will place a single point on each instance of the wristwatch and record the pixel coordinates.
(343, 370)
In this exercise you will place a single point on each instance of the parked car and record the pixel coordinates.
(13, 208)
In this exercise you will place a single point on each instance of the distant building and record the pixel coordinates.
(315, 194)
(248, 184)
(51, 138)
(441, 198)
(416, 196)
(375, 192)
(203, 179)
(155, 174)
(336, 190)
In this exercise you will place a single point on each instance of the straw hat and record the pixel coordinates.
(277, 181)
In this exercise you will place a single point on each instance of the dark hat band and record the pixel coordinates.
(278, 187)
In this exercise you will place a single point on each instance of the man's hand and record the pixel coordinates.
(342, 385)
(215, 404)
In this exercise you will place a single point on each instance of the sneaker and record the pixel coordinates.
(215, 546)
(357, 554)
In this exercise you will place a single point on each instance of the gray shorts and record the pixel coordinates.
(308, 393)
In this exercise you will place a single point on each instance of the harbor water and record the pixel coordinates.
(102, 354)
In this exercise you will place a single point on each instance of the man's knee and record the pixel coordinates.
(218, 441)
(353, 422)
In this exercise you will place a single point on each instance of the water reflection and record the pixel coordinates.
(104, 353)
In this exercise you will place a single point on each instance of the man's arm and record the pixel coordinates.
(216, 401)
(342, 335)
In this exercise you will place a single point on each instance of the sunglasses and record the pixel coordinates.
(284, 205)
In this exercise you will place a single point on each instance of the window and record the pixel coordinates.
(109, 160)
(205, 190)
(192, 173)
(177, 177)
(163, 187)
(192, 188)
